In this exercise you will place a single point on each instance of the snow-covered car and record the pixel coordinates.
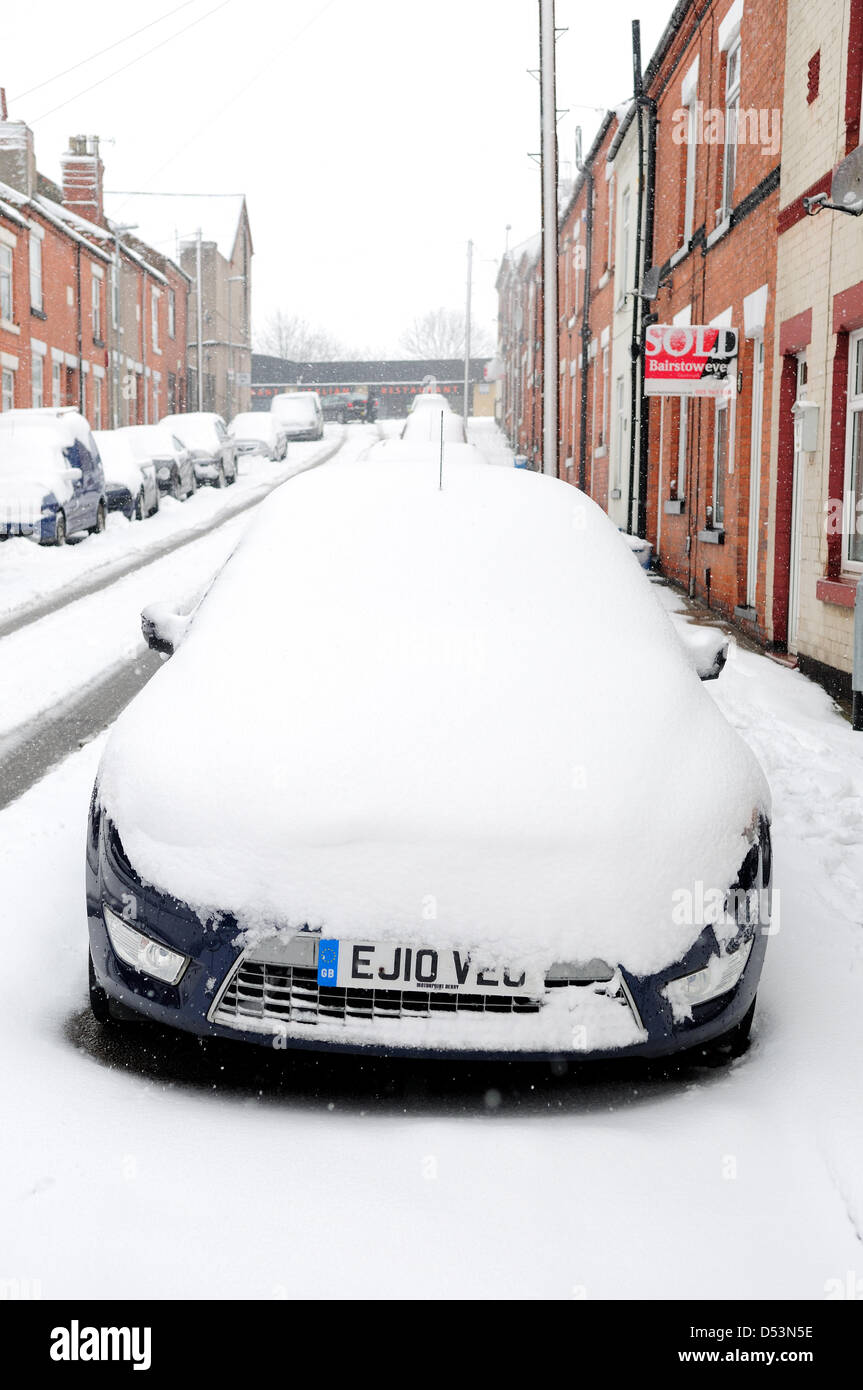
(432, 423)
(131, 484)
(157, 445)
(474, 799)
(51, 478)
(258, 432)
(213, 451)
(299, 414)
(418, 451)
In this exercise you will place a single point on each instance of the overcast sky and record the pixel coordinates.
(372, 138)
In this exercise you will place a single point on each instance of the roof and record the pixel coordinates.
(165, 220)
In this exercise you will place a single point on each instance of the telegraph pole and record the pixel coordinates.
(199, 315)
(467, 313)
(548, 165)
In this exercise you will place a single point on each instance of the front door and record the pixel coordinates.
(755, 472)
(796, 516)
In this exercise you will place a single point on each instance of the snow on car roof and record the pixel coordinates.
(403, 450)
(457, 713)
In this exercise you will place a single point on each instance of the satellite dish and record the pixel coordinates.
(846, 190)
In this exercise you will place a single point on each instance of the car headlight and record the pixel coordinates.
(718, 976)
(142, 952)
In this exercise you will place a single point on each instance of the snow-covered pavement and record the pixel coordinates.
(149, 1167)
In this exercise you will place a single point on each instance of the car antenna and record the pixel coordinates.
(440, 478)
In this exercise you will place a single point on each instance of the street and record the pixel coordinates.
(360, 1178)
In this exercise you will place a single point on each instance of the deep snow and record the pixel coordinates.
(144, 1167)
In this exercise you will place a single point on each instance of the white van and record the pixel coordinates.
(299, 414)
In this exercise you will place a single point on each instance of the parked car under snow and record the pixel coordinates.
(258, 433)
(475, 801)
(205, 435)
(51, 478)
(131, 484)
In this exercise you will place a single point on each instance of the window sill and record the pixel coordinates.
(712, 537)
(601, 452)
(674, 506)
(842, 592)
(603, 280)
(680, 254)
(8, 327)
(719, 231)
(745, 612)
(38, 314)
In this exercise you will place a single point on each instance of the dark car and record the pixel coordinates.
(273, 886)
(335, 406)
(361, 405)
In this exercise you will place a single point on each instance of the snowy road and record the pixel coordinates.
(150, 1167)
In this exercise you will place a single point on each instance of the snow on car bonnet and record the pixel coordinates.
(455, 715)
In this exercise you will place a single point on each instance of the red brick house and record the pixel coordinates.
(717, 84)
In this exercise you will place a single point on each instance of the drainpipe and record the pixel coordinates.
(635, 341)
(857, 671)
(80, 330)
(585, 327)
(643, 401)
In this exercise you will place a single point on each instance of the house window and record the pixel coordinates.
(172, 393)
(154, 317)
(35, 272)
(6, 283)
(56, 383)
(854, 453)
(172, 314)
(115, 295)
(732, 111)
(37, 375)
(621, 431)
(97, 402)
(96, 301)
(625, 238)
(689, 189)
(720, 463)
(8, 392)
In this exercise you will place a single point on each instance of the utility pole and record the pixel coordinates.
(467, 313)
(548, 165)
(199, 315)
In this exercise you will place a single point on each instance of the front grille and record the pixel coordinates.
(285, 994)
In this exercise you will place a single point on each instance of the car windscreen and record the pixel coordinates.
(294, 409)
(37, 453)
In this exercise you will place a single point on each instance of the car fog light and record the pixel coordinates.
(718, 976)
(141, 952)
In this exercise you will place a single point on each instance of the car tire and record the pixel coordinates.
(221, 480)
(140, 510)
(155, 507)
(60, 529)
(193, 484)
(100, 521)
(233, 477)
(176, 486)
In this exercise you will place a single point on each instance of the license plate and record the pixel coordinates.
(379, 965)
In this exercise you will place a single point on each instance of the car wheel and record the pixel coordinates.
(60, 529)
(100, 521)
(193, 484)
(233, 477)
(155, 507)
(140, 508)
(221, 480)
(176, 486)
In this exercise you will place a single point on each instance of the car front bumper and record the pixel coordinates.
(225, 992)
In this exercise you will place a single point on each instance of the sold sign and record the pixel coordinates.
(694, 360)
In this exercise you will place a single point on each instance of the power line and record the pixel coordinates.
(102, 51)
(131, 63)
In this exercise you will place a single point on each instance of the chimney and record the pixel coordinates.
(17, 155)
(82, 178)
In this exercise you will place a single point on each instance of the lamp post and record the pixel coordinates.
(232, 280)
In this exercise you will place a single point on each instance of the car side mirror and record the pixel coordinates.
(705, 647)
(163, 629)
(73, 475)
